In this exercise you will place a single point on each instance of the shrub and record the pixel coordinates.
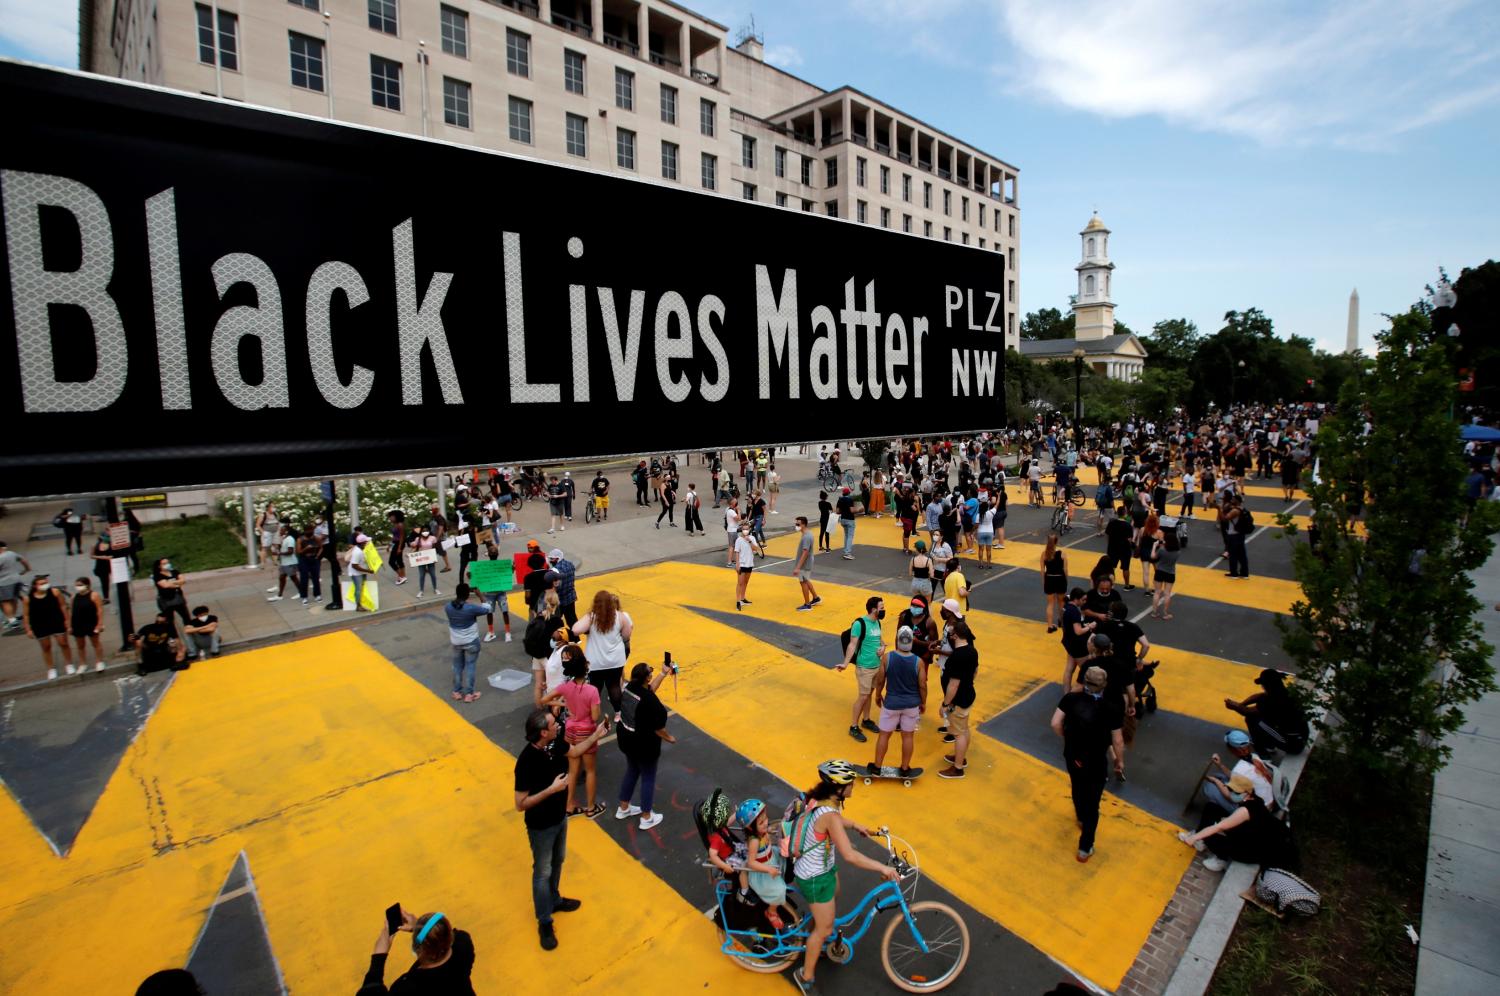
(376, 498)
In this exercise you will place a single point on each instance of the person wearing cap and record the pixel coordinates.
(846, 521)
(1218, 800)
(1250, 834)
(567, 591)
(359, 570)
(445, 958)
(556, 495)
(901, 697)
(1273, 718)
(958, 690)
(1089, 724)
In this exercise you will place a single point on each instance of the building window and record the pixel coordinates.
(780, 199)
(1088, 285)
(519, 118)
(456, 101)
(454, 26)
(385, 83)
(806, 171)
(997, 222)
(807, 205)
(831, 172)
(966, 238)
(669, 160)
(859, 211)
(576, 135)
(710, 172)
(947, 202)
(668, 104)
(859, 170)
(885, 217)
(906, 223)
(885, 179)
(383, 16)
(947, 234)
(706, 113)
(1010, 222)
(1089, 246)
(981, 242)
(309, 4)
(981, 216)
(625, 148)
(1011, 260)
(572, 71)
(927, 195)
(624, 89)
(964, 208)
(747, 152)
(1010, 290)
(831, 208)
(780, 158)
(226, 45)
(517, 52)
(906, 187)
(927, 229)
(307, 61)
(747, 191)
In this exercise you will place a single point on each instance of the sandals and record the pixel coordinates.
(594, 811)
(1167, 616)
(458, 696)
(575, 811)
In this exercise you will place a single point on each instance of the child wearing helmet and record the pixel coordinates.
(724, 852)
(763, 862)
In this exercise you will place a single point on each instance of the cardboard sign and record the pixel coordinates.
(418, 558)
(371, 598)
(119, 536)
(462, 539)
(449, 544)
(492, 575)
(119, 570)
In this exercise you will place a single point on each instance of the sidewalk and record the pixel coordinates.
(1460, 939)
(237, 595)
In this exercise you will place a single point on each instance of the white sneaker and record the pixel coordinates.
(1198, 845)
(489, 638)
(656, 818)
(271, 591)
(274, 598)
(507, 637)
(625, 814)
(99, 666)
(436, 592)
(70, 669)
(420, 593)
(563, 528)
(304, 601)
(401, 580)
(551, 532)
(52, 674)
(1215, 864)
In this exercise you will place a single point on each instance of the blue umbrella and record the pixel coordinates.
(1480, 433)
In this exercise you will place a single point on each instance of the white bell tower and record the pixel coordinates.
(1093, 310)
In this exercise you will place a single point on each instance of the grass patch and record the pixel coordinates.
(199, 543)
(1365, 852)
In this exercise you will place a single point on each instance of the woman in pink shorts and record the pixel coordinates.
(582, 701)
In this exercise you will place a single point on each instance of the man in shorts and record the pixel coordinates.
(865, 652)
(906, 511)
(803, 569)
(13, 567)
(898, 693)
(745, 549)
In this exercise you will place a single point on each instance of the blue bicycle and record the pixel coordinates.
(925, 958)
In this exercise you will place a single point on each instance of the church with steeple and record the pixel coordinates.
(1119, 356)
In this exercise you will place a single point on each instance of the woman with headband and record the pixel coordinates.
(445, 957)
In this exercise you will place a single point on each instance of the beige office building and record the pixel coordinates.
(632, 86)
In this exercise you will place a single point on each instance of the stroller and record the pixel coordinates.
(739, 916)
(1145, 692)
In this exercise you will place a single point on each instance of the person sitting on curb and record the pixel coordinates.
(445, 958)
(157, 647)
(1218, 801)
(1250, 834)
(201, 636)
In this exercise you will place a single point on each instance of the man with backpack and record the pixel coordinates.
(864, 649)
(1089, 724)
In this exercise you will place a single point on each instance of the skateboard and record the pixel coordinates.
(893, 775)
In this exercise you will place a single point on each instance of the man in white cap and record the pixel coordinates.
(567, 593)
(359, 569)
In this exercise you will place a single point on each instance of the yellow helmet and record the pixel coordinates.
(837, 772)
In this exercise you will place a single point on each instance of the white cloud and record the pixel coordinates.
(1352, 73)
(785, 56)
(44, 30)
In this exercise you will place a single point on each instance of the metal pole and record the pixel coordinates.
(328, 59)
(1077, 391)
(422, 58)
(353, 505)
(122, 589)
(442, 490)
(252, 545)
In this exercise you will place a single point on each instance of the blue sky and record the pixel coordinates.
(1265, 154)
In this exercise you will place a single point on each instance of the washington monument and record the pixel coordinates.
(1353, 342)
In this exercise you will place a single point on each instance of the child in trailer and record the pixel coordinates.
(763, 869)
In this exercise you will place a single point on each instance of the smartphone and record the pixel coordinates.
(666, 658)
(393, 918)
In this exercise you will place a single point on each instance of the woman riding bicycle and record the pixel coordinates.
(827, 831)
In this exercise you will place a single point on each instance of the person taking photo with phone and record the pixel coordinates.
(445, 957)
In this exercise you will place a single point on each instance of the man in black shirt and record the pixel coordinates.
(1100, 597)
(157, 647)
(541, 782)
(1089, 724)
(958, 694)
(1118, 534)
(600, 491)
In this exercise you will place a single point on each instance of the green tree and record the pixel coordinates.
(1049, 323)
(1252, 324)
(1159, 391)
(872, 452)
(1171, 344)
(1477, 315)
(1385, 633)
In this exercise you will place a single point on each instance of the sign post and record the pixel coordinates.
(120, 548)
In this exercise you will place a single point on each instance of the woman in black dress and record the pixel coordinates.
(1054, 581)
(102, 555)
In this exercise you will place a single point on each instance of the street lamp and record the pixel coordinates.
(1078, 354)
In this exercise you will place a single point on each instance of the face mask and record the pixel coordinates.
(42, 585)
(917, 610)
(880, 614)
(166, 567)
(80, 588)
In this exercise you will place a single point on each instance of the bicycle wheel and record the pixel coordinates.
(515, 502)
(947, 939)
(1076, 495)
(588, 512)
(1060, 520)
(741, 951)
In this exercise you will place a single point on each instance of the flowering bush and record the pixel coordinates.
(376, 498)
